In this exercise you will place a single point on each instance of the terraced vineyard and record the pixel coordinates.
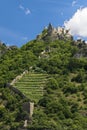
(31, 85)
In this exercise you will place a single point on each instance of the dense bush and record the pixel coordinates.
(64, 101)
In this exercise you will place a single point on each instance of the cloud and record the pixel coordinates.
(74, 3)
(78, 23)
(26, 10)
(21, 7)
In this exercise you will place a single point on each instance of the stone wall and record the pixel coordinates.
(57, 33)
(18, 77)
(29, 108)
(15, 90)
(26, 106)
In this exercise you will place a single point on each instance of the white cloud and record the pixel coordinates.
(74, 3)
(78, 23)
(27, 11)
(21, 7)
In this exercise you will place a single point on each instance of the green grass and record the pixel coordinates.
(32, 85)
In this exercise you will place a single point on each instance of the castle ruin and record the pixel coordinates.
(58, 33)
(55, 34)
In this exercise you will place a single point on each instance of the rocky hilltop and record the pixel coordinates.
(53, 33)
(4, 48)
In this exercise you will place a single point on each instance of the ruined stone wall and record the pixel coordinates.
(15, 90)
(31, 109)
(58, 33)
(18, 77)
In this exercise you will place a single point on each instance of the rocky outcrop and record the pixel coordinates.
(58, 33)
(82, 48)
(52, 34)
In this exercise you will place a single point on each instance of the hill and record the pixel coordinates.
(56, 82)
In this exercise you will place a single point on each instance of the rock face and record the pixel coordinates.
(55, 34)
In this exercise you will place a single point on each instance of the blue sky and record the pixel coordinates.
(22, 20)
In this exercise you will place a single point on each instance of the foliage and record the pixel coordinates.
(63, 105)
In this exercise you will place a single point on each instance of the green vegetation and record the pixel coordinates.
(56, 82)
(11, 113)
(32, 85)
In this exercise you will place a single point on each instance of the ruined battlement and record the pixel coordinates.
(58, 32)
(53, 33)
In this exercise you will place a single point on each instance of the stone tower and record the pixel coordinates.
(50, 29)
